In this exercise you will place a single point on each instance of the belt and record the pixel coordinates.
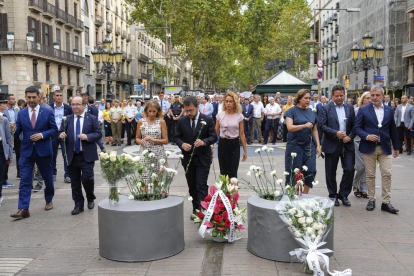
(228, 138)
(257, 117)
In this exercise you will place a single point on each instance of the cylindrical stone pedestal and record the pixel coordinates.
(268, 235)
(138, 231)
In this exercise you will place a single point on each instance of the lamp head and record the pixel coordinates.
(367, 39)
(107, 43)
(118, 55)
(364, 53)
(355, 51)
(150, 64)
(379, 51)
(370, 51)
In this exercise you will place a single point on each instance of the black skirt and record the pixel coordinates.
(229, 156)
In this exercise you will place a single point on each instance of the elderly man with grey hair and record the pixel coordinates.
(282, 101)
(376, 126)
(272, 111)
(258, 115)
(404, 119)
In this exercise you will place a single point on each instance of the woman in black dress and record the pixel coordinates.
(265, 101)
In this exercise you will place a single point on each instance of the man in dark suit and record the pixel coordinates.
(81, 132)
(196, 130)
(92, 109)
(38, 126)
(337, 120)
(6, 145)
(318, 113)
(247, 110)
(375, 125)
(215, 104)
(61, 111)
(387, 100)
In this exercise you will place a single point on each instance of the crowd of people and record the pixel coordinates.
(359, 134)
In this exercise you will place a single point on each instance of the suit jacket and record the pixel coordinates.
(389, 103)
(184, 134)
(16, 112)
(6, 136)
(319, 110)
(45, 124)
(91, 129)
(215, 109)
(92, 110)
(249, 113)
(312, 103)
(408, 115)
(329, 123)
(367, 123)
(67, 109)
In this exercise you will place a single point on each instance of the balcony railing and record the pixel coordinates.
(108, 4)
(80, 25)
(36, 5)
(128, 37)
(177, 75)
(49, 9)
(125, 77)
(124, 55)
(123, 35)
(72, 20)
(118, 30)
(62, 15)
(143, 57)
(142, 76)
(109, 27)
(98, 20)
(22, 45)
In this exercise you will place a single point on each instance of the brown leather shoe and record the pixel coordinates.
(21, 213)
(49, 206)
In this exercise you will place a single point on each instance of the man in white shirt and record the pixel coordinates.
(387, 100)
(315, 101)
(258, 114)
(272, 112)
(130, 112)
(404, 119)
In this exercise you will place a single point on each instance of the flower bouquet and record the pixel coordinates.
(114, 168)
(309, 220)
(148, 182)
(221, 216)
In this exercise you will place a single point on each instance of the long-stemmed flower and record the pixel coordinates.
(203, 123)
(64, 139)
(343, 145)
(376, 145)
(311, 135)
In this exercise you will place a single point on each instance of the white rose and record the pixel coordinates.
(320, 232)
(309, 230)
(106, 156)
(316, 226)
(190, 198)
(168, 153)
(128, 157)
(162, 161)
(322, 212)
(273, 173)
(302, 205)
(234, 180)
(292, 211)
(135, 159)
(101, 155)
(290, 221)
(297, 234)
(113, 153)
(309, 220)
(313, 236)
(270, 150)
(296, 170)
(151, 155)
(302, 220)
(112, 158)
(257, 151)
(131, 197)
(293, 154)
(299, 214)
(285, 173)
(249, 174)
(305, 168)
(180, 156)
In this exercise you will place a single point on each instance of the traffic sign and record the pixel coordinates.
(138, 87)
(319, 63)
(320, 75)
(380, 78)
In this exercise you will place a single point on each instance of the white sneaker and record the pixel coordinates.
(1, 200)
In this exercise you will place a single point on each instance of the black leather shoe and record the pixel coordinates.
(345, 201)
(336, 202)
(77, 210)
(409, 153)
(91, 205)
(370, 206)
(387, 207)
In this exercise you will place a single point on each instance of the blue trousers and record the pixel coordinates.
(26, 172)
(55, 144)
(302, 159)
(247, 127)
(271, 124)
(348, 164)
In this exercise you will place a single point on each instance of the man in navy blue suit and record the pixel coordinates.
(81, 132)
(188, 136)
(38, 126)
(215, 104)
(376, 126)
(247, 110)
(337, 120)
(60, 110)
(318, 113)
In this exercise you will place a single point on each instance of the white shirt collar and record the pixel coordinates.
(198, 115)
(1, 113)
(82, 115)
(337, 105)
(382, 106)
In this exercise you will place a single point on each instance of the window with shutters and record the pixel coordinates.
(46, 35)
(77, 77)
(86, 36)
(75, 11)
(66, 6)
(58, 39)
(60, 74)
(88, 64)
(47, 71)
(96, 38)
(77, 43)
(68, 75)
(67, 42)
(86, 9)
(35, 70)
(3, 25)
(0, 70)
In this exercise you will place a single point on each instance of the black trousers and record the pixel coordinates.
(271, 124)
(229, 156)
(168, 123)
(197, 176)
(285, 132)
(331, 164)
(131, 129)
(81, 173)
(403, 131)
(123, 131)
(173, 126)
(3, 165)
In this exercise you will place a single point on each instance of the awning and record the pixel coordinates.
(173, 90)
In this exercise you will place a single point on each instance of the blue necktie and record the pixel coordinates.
(77, 140)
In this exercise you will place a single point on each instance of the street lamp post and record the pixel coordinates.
(150, 67)
(111, 63)
(369, 56)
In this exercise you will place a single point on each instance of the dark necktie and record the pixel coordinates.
(193, 126)
(77, 139)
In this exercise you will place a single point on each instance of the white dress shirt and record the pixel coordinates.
(403, 108)
(379, 112)
(130, 111)
(36, 110)
(82, 117)
(257, 109)
(195, 120)
(220, 107)
(275, 108)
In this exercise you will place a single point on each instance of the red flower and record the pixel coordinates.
(228, 196)
(239, 226)
(227, 223)
(221, 206)
(221, 228)
(225, 215)
(208, 224)
(200, 215)
(236, 197)
(217, 218)
(208, 198)
(232, 205)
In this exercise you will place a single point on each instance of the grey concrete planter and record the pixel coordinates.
(268, 236)
(138, 231)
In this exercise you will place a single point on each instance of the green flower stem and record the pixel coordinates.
(192, 153)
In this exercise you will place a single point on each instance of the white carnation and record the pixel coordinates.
(285, 173)
(305, 168)
(151, 155)
(270, 150)
(257, 151)
(316, 182)
(293, 154)
(144, 152)
(190, 198)
(168, 153)
(300, 182)
(273, 173)
(264, 148)
(162, 161)
(131, 197)
(203, 122)
(296, 170)
(180, 156)
(249, 173)
(277, 193)
(279, 181)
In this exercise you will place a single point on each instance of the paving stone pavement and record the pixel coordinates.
(57, 243)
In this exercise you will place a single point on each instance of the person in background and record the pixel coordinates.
(289, 104)
(251, 98)
(215, 107)
(95, 112)
(206, 107)
(130, 113)
(60, 110)
(115, 114)
(272, 111)
(318, 113)
(387, 100)
(107, 123)
(165, 106)
(258, 115)
(393, 106)
(280, 126)
(247, 111)
(22, 104)
(11, 113)
(242, 97)
(397, 102)
(6, 145)
(360, 178)
(70, 101)
(199, 99)
(404, 120)
(349, 101)
(102, 105)
(176, 112)
(265, 102)
(315, 101)
(303, 140)
(278, 96)
(238, 96)
(376, 126)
